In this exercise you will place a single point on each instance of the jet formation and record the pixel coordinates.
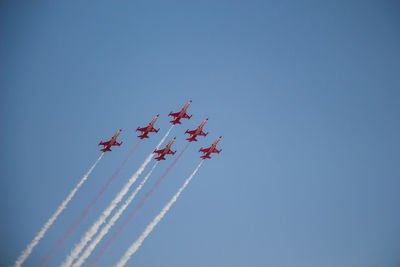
(107, 145)
(161, 153)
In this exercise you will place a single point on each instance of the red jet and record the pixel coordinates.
(212, 149)
(165, 151)
(112, 142)
(148, 129)
(181, 114)
(198, 131)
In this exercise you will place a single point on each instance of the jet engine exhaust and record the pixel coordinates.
(112, 221)
(84, 214)
(133, 213)
(25, 254)
(118, 198)
(136, 245)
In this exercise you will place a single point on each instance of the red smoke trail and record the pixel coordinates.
(135, 210)
(73, 227)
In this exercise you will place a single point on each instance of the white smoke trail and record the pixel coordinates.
(135, 246)
(25, 254)
(95, 227)
(112, 221)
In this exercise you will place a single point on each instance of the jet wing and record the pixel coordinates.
(104, 143)
(144, 129)
(216, 151)
(154, 130)
(186, 116)
(191, 132)
(202, 133)
(171, 152)
(174, 114)
(205, 150)
(116, 144)
(160, 151)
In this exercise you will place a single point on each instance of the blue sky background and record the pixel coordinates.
(306, 95)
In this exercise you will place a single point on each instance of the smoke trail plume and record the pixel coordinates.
(84, 214)
(95, 227)
(136, 245)
(112, 221)
(136, 209)
(25, 254)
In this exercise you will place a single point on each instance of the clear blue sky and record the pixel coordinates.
(306, 95)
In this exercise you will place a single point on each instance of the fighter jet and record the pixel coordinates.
(165, 151)
(113, 142)
(148, 129)
(181, 114)
(212, 149)
(196, 132)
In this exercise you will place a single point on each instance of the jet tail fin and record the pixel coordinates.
(143, 136)
(159, 158)
(191, 139)
(176, 121)
(205, 157)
